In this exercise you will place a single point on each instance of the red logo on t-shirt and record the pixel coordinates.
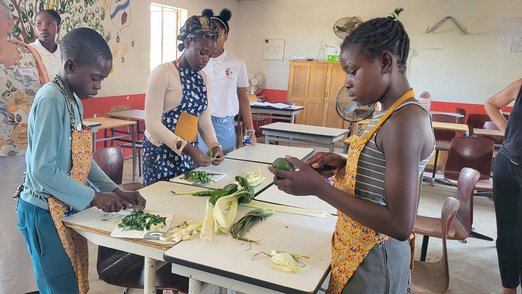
(228, 72)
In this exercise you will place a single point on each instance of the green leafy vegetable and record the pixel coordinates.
(241, 227)
(205, 193)
(140, 220)
(210, 153)
(222, 207)
(198, 176)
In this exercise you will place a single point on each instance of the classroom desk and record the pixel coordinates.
(274, 195)
(137, 115)
(461, 128)
(303, 134)
(230, 263)
(108, 123)
(224, 261)
(266, 112)
(267, 153)
(96, 225)
(488, 133)
(454, 114)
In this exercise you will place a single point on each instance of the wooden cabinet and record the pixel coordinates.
(315, 85)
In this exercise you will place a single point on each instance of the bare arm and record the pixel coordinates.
(246, 113)
(495, 104)
(407, 135)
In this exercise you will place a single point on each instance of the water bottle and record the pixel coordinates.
(425, 100)
(247, 140)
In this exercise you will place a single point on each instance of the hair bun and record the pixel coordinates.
(207, 12)
(225, 14)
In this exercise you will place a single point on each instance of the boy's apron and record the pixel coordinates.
(81, 154)
(352, 241)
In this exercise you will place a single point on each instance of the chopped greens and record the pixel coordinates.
(140, 220)
(198, 176)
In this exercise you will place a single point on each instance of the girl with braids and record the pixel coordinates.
(176, 107)
(228, 80)
(376, 188)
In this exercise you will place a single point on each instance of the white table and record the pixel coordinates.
(260, 112)
(267, 153)
(303, 134)
(92, 223)
(274, 195)
(233, 168)
(230, 263)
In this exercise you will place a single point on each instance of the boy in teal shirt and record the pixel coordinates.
(59, 163)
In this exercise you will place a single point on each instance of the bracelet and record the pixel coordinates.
(250, 130)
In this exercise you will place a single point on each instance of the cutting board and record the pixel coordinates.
(216, 176)
(137, 234)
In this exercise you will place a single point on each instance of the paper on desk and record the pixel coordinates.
(277, 105)
(136, 234)
(214, 175)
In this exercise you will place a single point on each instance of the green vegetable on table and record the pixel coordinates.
(222, 206)
(241, 227)
(140, 220)
(197, 176)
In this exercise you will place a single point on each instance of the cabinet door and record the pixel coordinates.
(298, 81)
(336, 82)
(315, 113)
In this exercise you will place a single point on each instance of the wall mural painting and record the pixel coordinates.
(107, 17)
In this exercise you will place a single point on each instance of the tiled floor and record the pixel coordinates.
(473, 265)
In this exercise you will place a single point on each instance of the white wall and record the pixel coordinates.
(455, 67)
(131, 76)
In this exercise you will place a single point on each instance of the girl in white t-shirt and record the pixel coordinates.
(228, 84)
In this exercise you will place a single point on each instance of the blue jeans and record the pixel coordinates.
(225, 133)
(52, 268)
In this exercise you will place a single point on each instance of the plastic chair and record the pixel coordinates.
(433, 277)
(463, 112)
(476, 120)
(462, 228)
(474, 152)
(442, 137)
(110, 160)
(122, 268)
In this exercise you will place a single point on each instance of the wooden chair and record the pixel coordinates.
(442, 137)
(122, 268)
(433, 277)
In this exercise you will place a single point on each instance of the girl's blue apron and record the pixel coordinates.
(161, 163)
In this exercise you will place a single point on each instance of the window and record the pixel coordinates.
(165, 22)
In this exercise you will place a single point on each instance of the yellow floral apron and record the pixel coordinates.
(352, 241)
(81, 154)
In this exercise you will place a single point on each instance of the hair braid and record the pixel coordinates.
(382, 34)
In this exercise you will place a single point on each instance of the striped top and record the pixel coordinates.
(372, 165)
